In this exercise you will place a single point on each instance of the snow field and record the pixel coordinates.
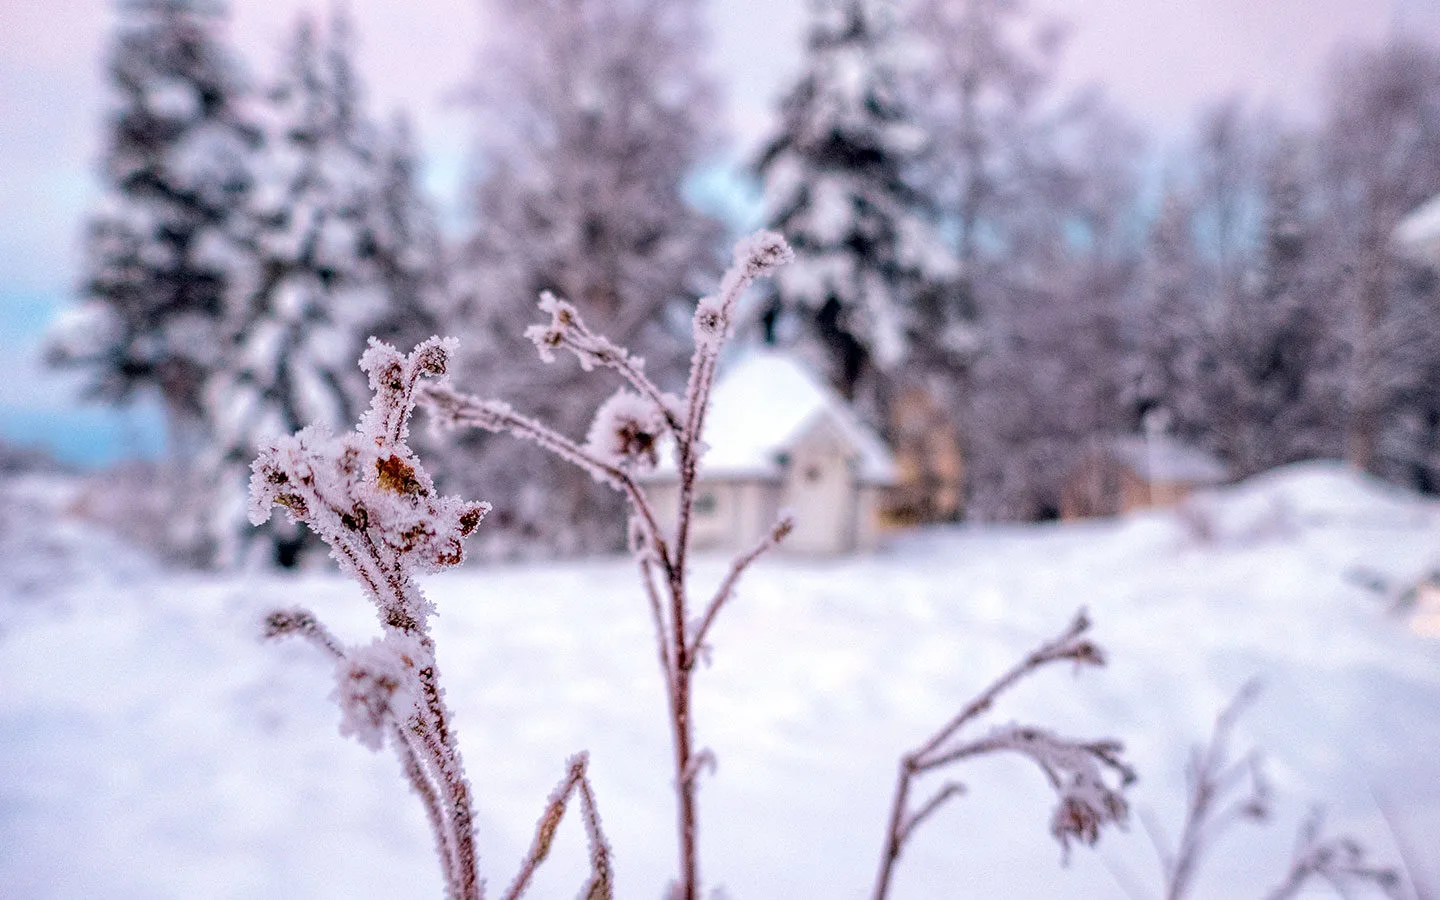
(152, 747)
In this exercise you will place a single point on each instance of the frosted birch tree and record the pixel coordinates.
(592, 114)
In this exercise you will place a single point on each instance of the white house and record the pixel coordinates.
(779, 439)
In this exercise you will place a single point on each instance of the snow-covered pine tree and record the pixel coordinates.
(870, 269)
(1165, 368)
(161, 250)
(1381, 149)
(1273, 385)
(592, 114)
(403, 237)
(339, 246)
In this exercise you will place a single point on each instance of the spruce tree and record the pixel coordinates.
(1274, 389)
(162, 251)
(869, 267)
(342, 249)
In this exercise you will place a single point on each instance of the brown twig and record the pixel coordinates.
(1339, 861)
(777, 533)
(685, 420)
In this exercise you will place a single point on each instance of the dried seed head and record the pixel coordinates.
(762, 253)
(626, 431)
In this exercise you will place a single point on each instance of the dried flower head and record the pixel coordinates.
(364, 493)
(547, 338)
(1085, 807)
(626, 431)
(761, 253)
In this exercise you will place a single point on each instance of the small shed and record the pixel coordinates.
(780, 439)
(1137, 472)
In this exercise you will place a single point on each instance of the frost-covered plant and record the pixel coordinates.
(1221, 793)
(1225, 791)
(1077, 770)
(1337, 861)
(624, 440)
(367, 496)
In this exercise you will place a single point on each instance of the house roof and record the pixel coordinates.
(759, 409)
(1418, 234)
(1161, 457)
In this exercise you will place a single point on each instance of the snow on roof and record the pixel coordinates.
(1418, 234)
(1164, 458)
(761, 406)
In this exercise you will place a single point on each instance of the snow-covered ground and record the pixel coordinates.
(152, 747)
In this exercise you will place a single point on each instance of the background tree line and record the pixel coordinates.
(965, 228)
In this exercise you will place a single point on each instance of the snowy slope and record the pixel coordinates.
(151, 747)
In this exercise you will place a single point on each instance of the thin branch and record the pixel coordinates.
(657, 615)
(302, 623)
(575, 778)
(429, 798)
(1212, 778)
(455, 409)
(928, 808)
(1408, 857)
(1340, 861)
(1156, 833)
(777, 533)
(1075, 769)
(567, 329)
(599, 886)
(1067, 646)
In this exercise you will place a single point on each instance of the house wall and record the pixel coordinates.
(871, 503)
(820, 488)
(834, 513)
(729, 514)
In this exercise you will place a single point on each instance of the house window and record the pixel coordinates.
(705, 504)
